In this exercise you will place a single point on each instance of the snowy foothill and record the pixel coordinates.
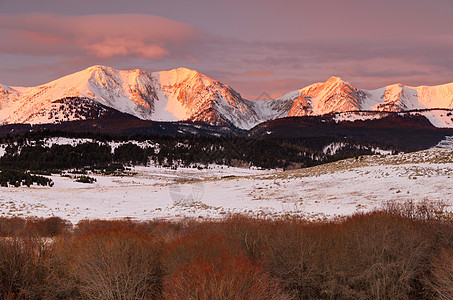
(325, 191)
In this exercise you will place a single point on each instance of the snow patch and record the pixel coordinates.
(446, 143)
(325, 191)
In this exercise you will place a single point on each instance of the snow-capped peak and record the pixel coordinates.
(185, 94)
(333, 80)
(179, 94)
(332, 95)
(176, 76)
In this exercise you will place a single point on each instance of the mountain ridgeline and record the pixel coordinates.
(187, 95)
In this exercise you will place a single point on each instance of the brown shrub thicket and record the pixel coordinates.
(10, 227)
(404, 251)
(226, 277)
(43, 227)
(24, 267)
(425, 210)
(93, 225)
(442, 275)
(115, 263)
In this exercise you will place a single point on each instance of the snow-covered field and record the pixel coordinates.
(324, 191)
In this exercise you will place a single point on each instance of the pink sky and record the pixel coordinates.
(254, 46)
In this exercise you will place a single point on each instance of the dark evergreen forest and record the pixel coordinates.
(27, 154)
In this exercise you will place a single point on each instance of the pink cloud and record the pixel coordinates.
(111, 47)
(102, 36)
(65, 44)
(264, 73)
(191, 58)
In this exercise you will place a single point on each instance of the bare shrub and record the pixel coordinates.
(46, 227)
(401, 252)
(161, 229)
(377, 256)
(442, 275)
(118, 263)
(42, 227)
(227, 277)
(23, 268)
(164, 230)
(191, 246)
(385, 256)
(208, 262)
(92, 225)
(422, 210)
(251, 234)
(12, 226)
(293, 252)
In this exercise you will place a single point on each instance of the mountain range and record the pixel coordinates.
(187, 95)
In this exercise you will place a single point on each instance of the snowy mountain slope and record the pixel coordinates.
(196, 97)
(127, 91)
(179, 94)
(398, 97)
(272, 109)
(183, 94)
(321, 98)
(338, 96)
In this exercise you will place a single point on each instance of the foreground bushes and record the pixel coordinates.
(33, 227)
(227, 277)
(395, 253)
(121, 263)
(24, 264)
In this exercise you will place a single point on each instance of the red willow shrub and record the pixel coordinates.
(206, 264)
(227, 277)
(185, 249)
(96, 224)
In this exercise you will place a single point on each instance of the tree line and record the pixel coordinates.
(23, 154)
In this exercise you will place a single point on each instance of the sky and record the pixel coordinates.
(255, 46)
